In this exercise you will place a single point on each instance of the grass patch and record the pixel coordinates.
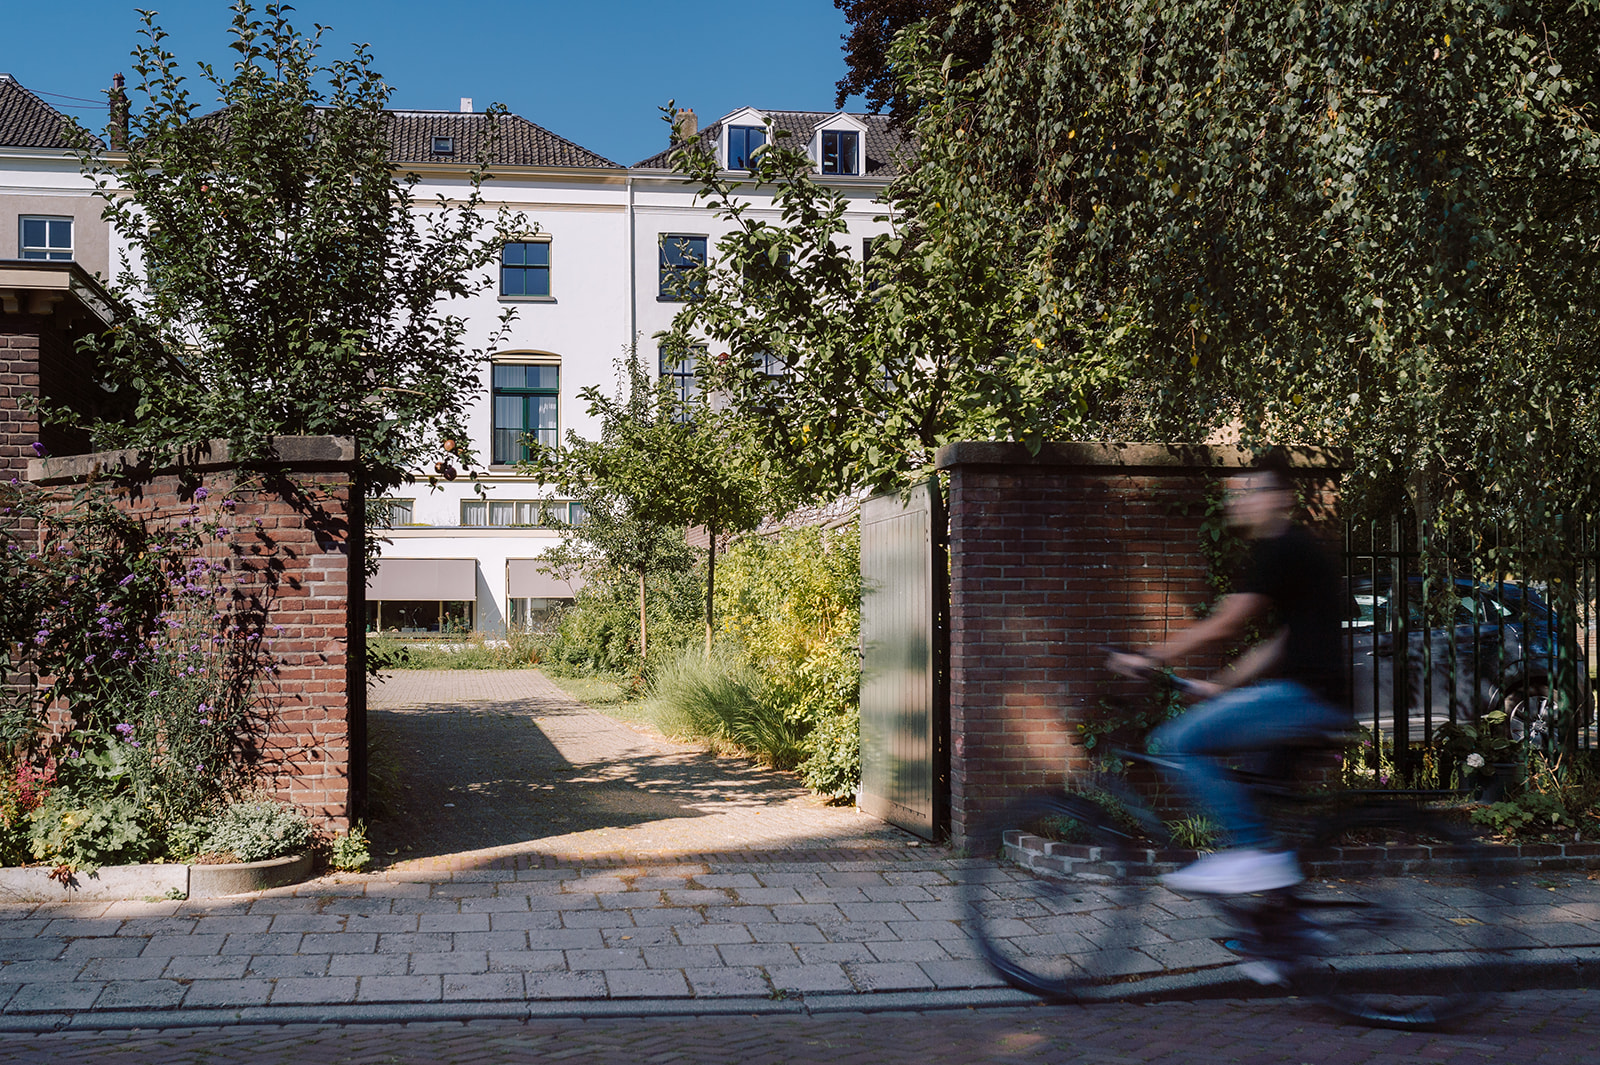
(614, 696)
(518, 650)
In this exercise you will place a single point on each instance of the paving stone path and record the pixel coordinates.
(502, 764)
(662, 879)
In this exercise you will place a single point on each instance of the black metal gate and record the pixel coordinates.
(905, 713)
(1447, 634)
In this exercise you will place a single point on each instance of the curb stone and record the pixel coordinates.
(1540, 969)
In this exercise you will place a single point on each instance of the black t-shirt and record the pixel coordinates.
(1293, 571)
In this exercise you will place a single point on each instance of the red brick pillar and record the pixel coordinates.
(1051, 556)
(293, 548)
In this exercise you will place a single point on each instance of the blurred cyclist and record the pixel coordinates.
(1283, 691)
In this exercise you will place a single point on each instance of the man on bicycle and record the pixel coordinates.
(1281, 692)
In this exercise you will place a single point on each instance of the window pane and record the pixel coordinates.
(511, 282)
(474, 512)
(512, 254)
(509, 376)
(502, 513)
(576, 515)
(508, 413)
(847, 153)
(508, 447)
(544, 377)
(537, 282)
(33, 232)
(538, 254)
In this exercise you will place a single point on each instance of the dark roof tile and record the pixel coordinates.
(883, 145)
(27, 121)
(521, 143)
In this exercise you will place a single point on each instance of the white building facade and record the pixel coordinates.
(590, 275)
(611, 239)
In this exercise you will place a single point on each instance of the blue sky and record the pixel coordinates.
(593, 71)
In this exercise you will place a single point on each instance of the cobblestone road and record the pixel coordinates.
(1551, 1028)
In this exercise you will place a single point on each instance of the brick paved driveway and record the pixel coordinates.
(1551, 1028)
(502, 764)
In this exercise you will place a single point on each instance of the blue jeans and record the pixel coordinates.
(1258, 717)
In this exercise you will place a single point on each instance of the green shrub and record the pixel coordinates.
(258, 829)
(599, 633)
(792, 603)
(85, 837)
(349, 852)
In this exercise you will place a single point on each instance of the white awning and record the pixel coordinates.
(425, 578)
(524, 581)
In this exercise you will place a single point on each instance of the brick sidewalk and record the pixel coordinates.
(822, 904)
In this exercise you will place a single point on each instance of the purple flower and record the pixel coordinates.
(201, 493)
(155, 693)
(125, 729)
(205, 721)
(39, 449)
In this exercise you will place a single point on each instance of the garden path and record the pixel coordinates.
(488, 765)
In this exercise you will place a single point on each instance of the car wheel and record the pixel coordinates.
(1530, 713)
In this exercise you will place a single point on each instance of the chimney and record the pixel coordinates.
(685, 126)
(466, 105)
(119, 114)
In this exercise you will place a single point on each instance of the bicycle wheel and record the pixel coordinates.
(1083, 923)
(1405, 935)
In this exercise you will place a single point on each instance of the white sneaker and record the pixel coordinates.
(1266, 973)
(1236, 872)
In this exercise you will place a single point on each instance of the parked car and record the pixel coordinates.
(1502, 649)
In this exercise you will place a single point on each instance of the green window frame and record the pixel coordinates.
(526, 401)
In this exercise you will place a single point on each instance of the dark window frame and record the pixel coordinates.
(502, 451)
(741, 153)
(524, 270)
(839, 156)
(677, 259)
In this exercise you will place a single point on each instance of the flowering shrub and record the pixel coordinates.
(793, 604)
(146, 654)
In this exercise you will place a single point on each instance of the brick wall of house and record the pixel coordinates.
(293, 551)
(1051, 557)
(38, 356)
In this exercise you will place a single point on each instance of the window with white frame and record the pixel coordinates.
(742, 144)
(525, 268)
(39, 237)
(526, 400)
(839, 151)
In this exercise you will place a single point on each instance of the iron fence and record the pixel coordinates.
(1473, 644)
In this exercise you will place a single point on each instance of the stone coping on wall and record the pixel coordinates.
(1129, 456)
(302, 453)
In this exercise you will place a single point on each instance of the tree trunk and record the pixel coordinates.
(711, 584)
(643, 629)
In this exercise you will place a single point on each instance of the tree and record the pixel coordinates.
(659, 465)
(1366, 224)
(281, 279)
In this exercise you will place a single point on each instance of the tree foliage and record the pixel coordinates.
(658, 466)
(281, 278)
(1369, 223)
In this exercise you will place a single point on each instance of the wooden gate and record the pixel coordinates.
(905, 709)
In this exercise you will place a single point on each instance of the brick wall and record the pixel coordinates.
(1052, 556)
(294, 553)
(39, 356)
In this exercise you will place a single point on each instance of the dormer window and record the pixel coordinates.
(444, 146)
(742, 144)
(840, 151)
